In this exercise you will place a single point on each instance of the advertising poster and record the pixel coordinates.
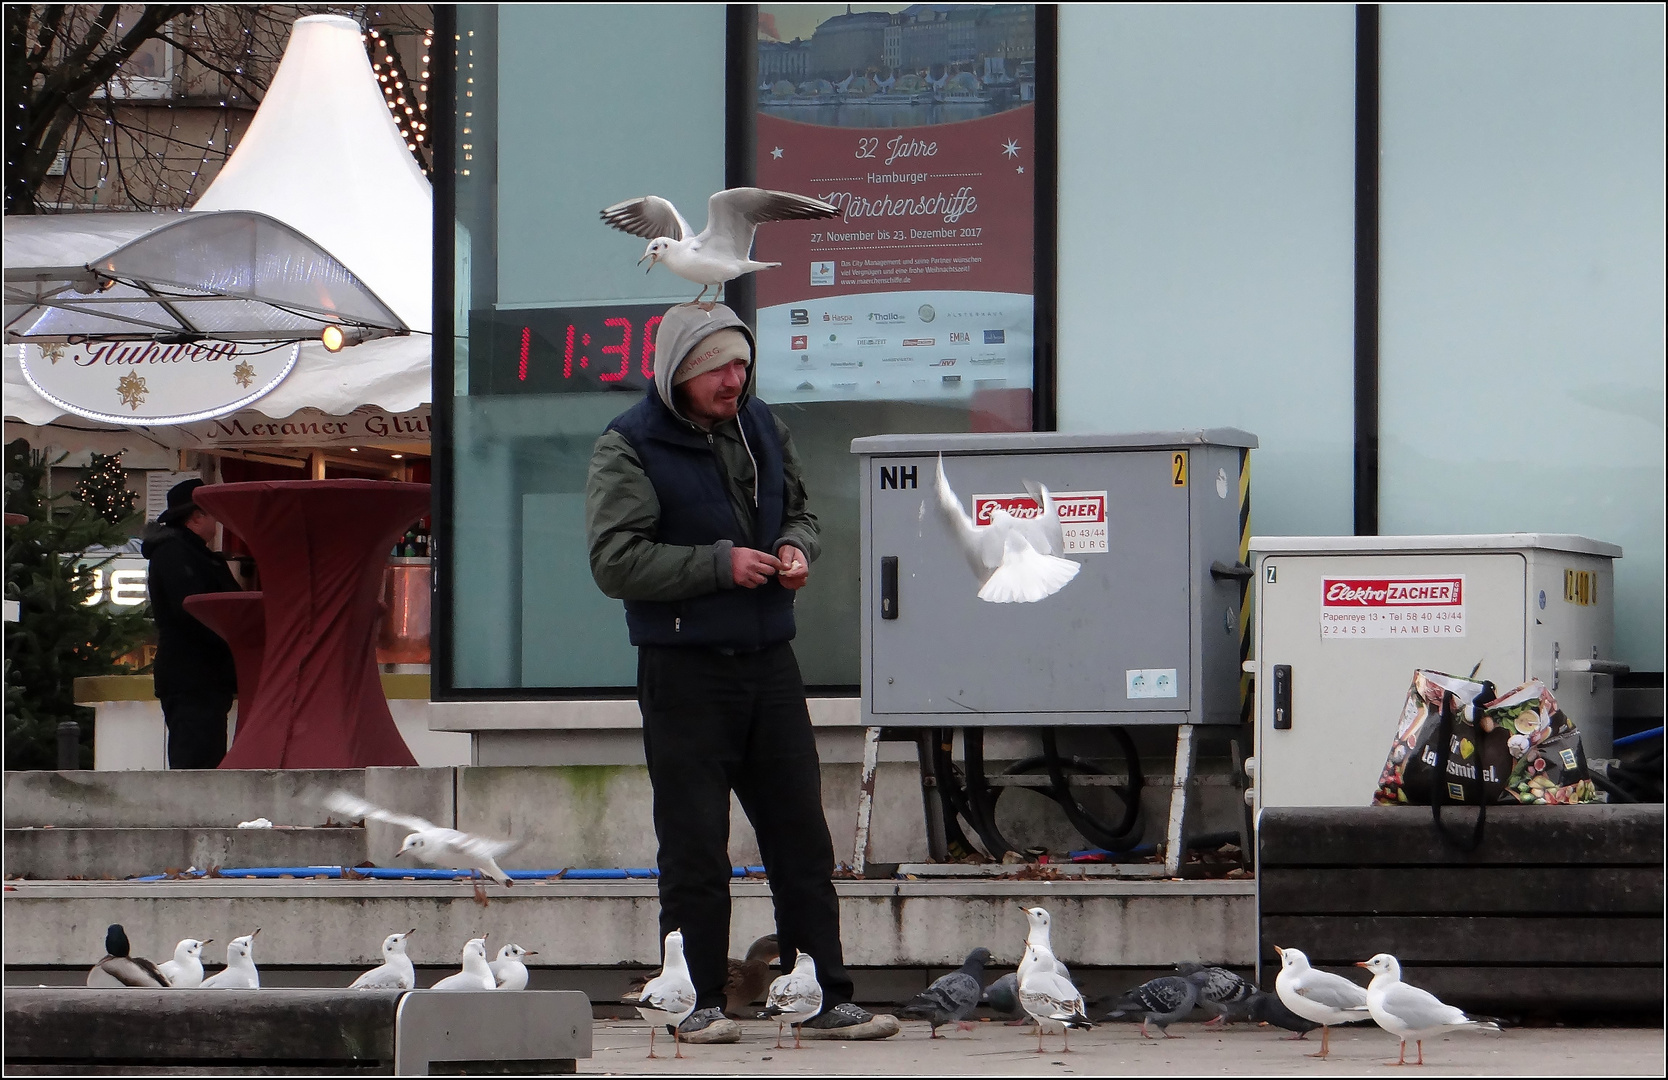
(919, 123)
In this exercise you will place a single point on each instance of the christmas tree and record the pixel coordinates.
(105, 489)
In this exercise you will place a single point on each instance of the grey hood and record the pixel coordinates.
(680, 330)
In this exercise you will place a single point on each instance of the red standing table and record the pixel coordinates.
(240, 618)
(321, 546)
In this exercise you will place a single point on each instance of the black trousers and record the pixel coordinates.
(715, 723)
(196, 728)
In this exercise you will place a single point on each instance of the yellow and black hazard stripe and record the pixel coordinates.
(1245, 700)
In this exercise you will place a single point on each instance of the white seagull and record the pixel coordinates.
(508, 970)
(395, 972)
(1320, 996)
(669, 997)
(428, 842)
(239, 973)
(1038, 935)
(1049, 997)
(476, 973)
(794, 998)
(185, 970)
(1408, 1012)
(1017, 560)
(724, 249)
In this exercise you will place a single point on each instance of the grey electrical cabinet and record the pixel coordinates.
(1150, 631)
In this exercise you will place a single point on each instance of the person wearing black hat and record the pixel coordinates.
(195, 676)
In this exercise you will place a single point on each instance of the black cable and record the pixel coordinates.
(981, 804)
(1127, 833)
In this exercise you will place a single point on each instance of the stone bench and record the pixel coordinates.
(403, 1033)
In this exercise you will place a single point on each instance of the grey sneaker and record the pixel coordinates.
(848, 1021)
(709, 1026)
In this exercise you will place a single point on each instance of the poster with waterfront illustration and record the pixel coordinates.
(919, 123)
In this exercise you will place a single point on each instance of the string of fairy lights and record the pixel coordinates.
(148, 176)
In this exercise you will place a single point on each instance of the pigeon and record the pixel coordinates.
(239, 972)
(669, 997)
(395, 972)
(1050, 998)
(476, 974)
(185, 970)
(1408, 1012)
(1002, 996)
(794, 998)
(748, 979)
(1017, 560)
(724, 250)
(952, 998)
(1266, 1008)
(1160, 1002)
(434, 845)
(508, 970)
(118, 968)
(1321, 996)
(1223, 994)
(1038, 935)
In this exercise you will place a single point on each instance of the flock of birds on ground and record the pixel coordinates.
(1040, 991)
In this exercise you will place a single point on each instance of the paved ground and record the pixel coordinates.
(995, 1050)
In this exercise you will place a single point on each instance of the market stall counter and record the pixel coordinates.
(321, 546)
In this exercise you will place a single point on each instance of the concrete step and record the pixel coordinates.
(311, 923)
(59, 854)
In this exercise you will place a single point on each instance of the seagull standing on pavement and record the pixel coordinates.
(1050, 998)
(952, 998)
(476, 973)
(669, 997)
(1408, 1012)
(508, 970)
(724, 249)
(185, 970)
(239, 972)
(395, 972)
(1017, 560)
(1321, 996)
(794, 998)
(428, 842)
(117, 968)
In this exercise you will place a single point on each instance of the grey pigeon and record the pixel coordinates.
(1264, 1008)
(952, 998)
(1002, 996)
(1160, 1002)
(1223, 994)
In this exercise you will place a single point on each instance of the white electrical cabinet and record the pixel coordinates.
(1342, 622)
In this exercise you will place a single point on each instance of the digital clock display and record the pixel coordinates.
(563, 350)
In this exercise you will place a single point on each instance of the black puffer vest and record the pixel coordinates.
(695, 509)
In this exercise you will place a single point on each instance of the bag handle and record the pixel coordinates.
(1439, 783)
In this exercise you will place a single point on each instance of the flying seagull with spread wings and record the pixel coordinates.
(429, 842)
(724, 249)
(1017, 560)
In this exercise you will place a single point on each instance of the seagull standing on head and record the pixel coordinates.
(508, 970)
(669, 997)
(1017, 560)
(1408, 1012)
(185, 970)
(724, 249)
(1038, 943)
(476, 973)
(239, 972)
(1321, 996)
(794, 997)
(395, 972)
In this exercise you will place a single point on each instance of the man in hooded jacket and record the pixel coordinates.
(195, 677)
(696, 517)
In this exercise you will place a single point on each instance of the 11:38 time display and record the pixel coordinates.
(563, 350)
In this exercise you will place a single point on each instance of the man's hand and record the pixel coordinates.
(795, 570)
(751, 568)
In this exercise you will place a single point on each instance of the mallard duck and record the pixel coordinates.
(119, 969)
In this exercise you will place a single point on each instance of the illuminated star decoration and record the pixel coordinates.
(244, 373)
(132, 389)
(776, 153)
(1011, 148)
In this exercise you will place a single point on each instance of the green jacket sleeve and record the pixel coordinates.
(799, 525)
(621, 515)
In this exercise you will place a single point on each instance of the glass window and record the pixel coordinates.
(1522, 286)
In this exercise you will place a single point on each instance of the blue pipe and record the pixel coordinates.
(394, 873)
(1637, 737)
(1134, 854)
